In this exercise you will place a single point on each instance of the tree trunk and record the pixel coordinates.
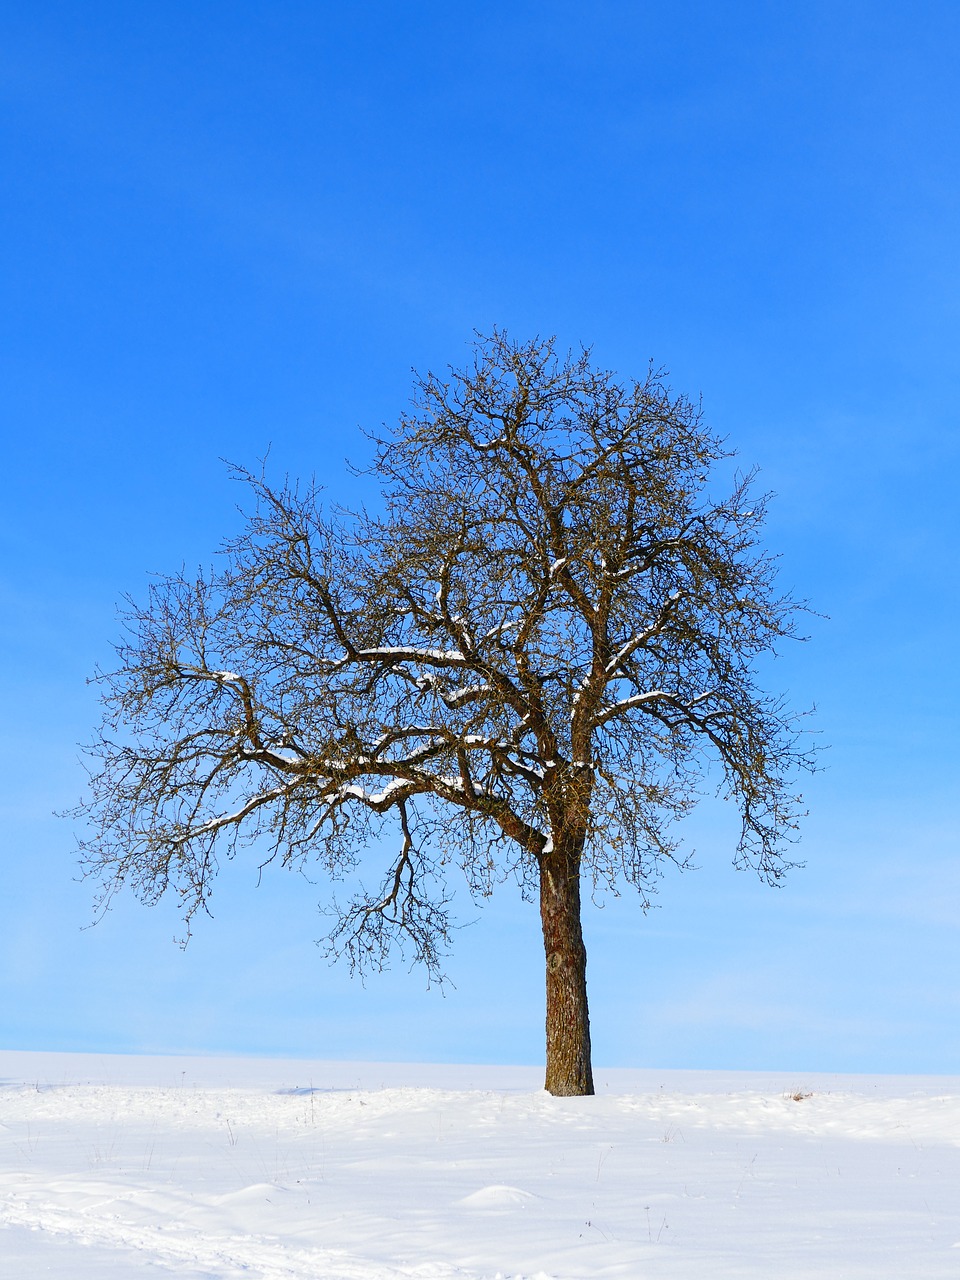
(569, 1070)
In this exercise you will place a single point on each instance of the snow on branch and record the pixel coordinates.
(410, 653)
(641, 638)
(636, 700)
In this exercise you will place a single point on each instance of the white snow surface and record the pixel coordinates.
(115, 1166)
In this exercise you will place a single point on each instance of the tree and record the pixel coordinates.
(524, 665)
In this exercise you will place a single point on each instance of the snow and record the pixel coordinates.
(289, 1170)
(350, 790)
(413, 653)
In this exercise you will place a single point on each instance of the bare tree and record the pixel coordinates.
(524, 666)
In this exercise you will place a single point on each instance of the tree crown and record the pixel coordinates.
(537, 645)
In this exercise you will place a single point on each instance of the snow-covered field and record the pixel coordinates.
(284, 1170)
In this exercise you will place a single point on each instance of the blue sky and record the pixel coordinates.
(233, 227)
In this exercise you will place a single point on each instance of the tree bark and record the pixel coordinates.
(569, 1069)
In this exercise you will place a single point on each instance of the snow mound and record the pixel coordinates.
(498, 1196)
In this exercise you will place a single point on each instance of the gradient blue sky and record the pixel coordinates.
(228, 226)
